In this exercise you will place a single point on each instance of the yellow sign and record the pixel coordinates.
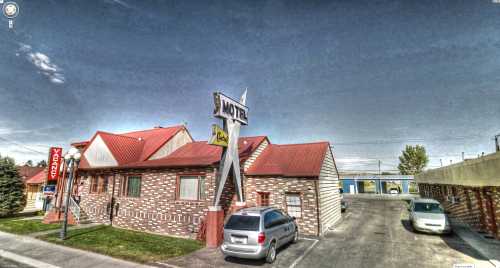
(219, 137)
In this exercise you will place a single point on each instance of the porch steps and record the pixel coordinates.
(84, 218)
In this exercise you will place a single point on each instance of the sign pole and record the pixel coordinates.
(68, 195)
(234, 114)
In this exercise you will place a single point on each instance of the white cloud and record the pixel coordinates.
(119, 2)
(21, 155)
(43, 63)
(10, 131)
(25, 48)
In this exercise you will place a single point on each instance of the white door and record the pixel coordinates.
(352, 190)
(39, 200)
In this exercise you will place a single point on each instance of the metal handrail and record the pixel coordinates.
(75, 209)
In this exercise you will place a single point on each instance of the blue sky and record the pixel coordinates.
(368, 76)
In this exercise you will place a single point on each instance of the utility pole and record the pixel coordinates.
(497, 143)
(463, 156)
(379, 177)
(441, 160)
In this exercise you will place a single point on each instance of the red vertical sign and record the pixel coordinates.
(55, 160)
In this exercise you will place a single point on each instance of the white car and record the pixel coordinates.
(427, 215)
(393, 191)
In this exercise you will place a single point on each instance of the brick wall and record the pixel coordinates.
(277, 188)
(479, 207)
(157, 209)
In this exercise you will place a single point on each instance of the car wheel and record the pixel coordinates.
(271, 253)
(295, 236)
(413, 227)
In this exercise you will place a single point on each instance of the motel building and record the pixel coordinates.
(33, 189)
(162, 181)
(364, 183)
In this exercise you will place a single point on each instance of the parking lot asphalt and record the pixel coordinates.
(376, 233)
(287, 256)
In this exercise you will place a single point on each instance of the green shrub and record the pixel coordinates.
(12, 197)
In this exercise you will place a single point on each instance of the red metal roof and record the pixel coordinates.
(290, 160)
(192, 154)
(26, 172)
(125, 149)
(80, 144)
(154, 138)
(201, 154)
(134, 146)
(132, 149)
(38, 178)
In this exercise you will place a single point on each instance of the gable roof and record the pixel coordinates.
(125, 149)
(133, 149)
(154, 139)
(290, 160)
(134, 146)
(26, 172)
(201, 154)
(38, 178)
(80, 144)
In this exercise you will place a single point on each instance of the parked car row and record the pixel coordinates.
(257, 232)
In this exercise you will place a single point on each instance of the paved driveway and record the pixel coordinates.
(376, 233)
(287, 256)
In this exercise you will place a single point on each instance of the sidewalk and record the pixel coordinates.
(490, 249)
(37, 253)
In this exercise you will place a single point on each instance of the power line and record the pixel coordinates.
(397, 141)
(22, 145)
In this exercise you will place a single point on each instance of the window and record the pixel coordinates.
(242, 222)
(192, 188)
(428, 207)
(93, 184)
(102, 185)
(274, 218)
(132, 186)
(263, 199)
(294, 205)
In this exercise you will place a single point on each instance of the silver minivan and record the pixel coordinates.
(257, 232)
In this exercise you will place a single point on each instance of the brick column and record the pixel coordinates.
(215, 224)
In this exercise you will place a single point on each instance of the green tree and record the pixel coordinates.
(42, 163)
(29, 163)
(12, 197)
(413, 160)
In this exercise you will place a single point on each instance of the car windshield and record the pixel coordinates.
(428, 207)
(241, 222)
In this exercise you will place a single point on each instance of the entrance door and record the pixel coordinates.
(31, 193)
(352, 189)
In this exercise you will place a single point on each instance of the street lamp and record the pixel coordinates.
(72, 158)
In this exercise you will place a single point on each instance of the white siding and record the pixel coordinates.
(255, 154)
(99, 155)
(329, 195)
(180, 139)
